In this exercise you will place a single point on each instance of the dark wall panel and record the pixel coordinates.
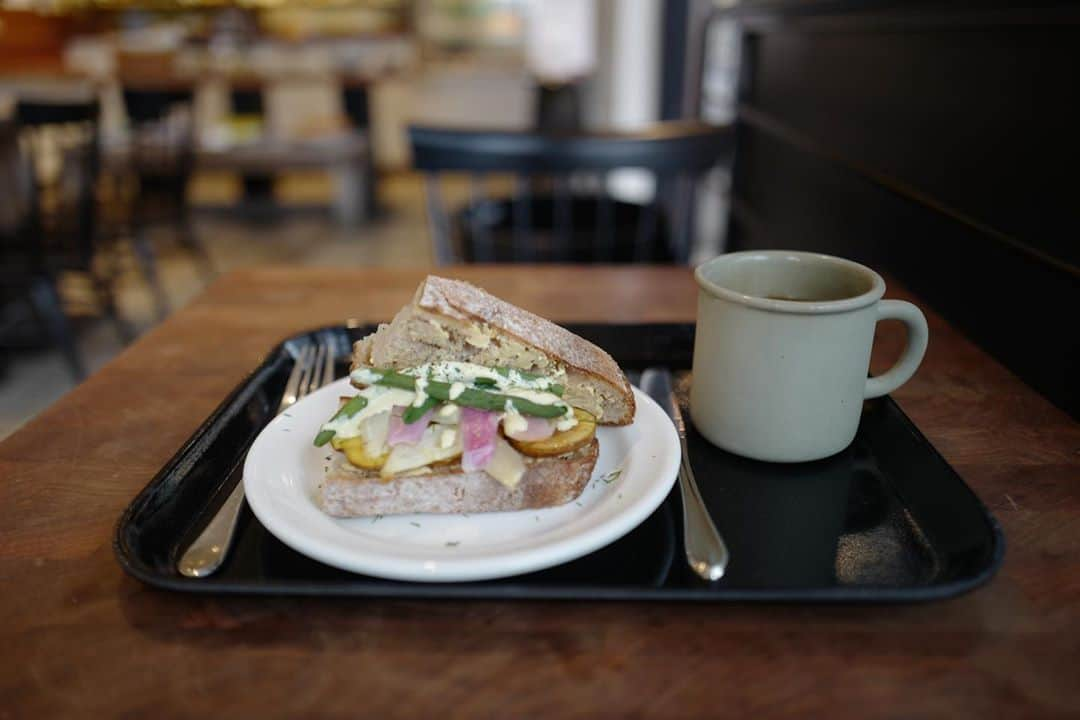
(1021, 310)
(980, 119)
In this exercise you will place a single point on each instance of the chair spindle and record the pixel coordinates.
(681, 217)
(563, 217)
(523, 246)
(438, 221)
(646, 229)
(605, 223)
(483, 246)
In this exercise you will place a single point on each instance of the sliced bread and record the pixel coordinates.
(454, 320)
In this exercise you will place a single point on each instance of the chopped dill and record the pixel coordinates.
(611, 477)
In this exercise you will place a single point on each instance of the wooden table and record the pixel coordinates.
(347, 156)
(80, 638)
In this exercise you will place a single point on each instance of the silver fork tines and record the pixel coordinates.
(295, 382)
(313, 368)
(314, 373)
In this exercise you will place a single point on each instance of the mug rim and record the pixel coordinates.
(814, 307)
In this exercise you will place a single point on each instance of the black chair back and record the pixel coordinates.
(145, 105)
(162, 142)
(62, 142)
(49, 167)
(561, 208)
(162, 161)
(16, 252)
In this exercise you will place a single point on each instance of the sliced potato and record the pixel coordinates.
(368, 449)
(356, 450)
(561, 442)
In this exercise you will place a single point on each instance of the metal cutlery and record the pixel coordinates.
(705, 549)
(314, 367)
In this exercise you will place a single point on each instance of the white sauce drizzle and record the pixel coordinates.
(446, 439)
(513, 423)
(421, 396)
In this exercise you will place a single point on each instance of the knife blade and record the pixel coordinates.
(706, 552)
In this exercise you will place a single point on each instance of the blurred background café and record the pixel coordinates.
(150, 146)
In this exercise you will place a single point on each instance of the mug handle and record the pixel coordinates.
(905, 367)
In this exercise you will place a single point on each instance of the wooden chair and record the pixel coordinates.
(355, 101)
(50, 161)
(561, 209)
(162, 160)
(22, 275)
(247, 99)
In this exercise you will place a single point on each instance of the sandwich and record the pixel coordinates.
(468, 404)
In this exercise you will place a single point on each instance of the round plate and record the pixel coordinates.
(637, 466)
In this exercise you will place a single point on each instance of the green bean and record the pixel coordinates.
(347, 410)
(414, 412)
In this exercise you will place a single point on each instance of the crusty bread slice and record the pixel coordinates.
(454, 320)
(348, 491)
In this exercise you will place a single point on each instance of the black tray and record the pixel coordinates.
(885, 521)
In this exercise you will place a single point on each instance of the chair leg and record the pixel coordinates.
(50, 310)
(147, 258)
(104, 289)
(191, 242)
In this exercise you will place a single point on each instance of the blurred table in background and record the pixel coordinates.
(260, 126)
(346, 155)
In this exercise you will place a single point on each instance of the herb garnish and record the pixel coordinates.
(611, 477)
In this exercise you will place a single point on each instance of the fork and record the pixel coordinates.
(314, 368)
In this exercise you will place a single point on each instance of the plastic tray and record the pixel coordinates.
(887, 520)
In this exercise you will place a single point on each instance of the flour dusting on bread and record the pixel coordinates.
(454, 319)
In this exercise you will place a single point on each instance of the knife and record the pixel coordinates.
(705, 549)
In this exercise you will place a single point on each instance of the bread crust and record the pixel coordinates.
(463, 302)
(347, 491)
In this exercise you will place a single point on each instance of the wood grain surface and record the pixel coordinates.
(80, 639)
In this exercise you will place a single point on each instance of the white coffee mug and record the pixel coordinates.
(782, 352)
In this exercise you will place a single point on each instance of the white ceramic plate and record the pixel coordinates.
(637, 466)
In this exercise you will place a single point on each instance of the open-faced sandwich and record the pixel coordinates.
(468, 404)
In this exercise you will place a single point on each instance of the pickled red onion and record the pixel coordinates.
(479, 429)
(403, 433)
(538, 428)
